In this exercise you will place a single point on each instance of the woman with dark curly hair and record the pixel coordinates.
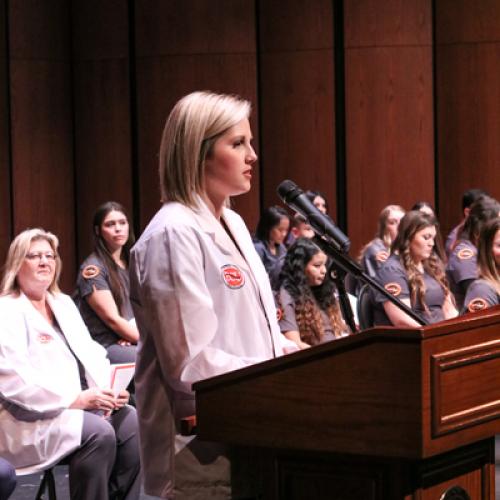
(414, 274)
(309, 311)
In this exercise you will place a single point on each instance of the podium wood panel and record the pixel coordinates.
(387, 414)
(383, 392)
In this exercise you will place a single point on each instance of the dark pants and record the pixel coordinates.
(106, 465)
(7, 479)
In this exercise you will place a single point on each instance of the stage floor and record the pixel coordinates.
(27, 485)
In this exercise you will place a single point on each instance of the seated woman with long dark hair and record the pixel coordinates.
(414, 274)
(272, 230)
(308, 309)
(461, 269)
(485, 291)
(103, 287)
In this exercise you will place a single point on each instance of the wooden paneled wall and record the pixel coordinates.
(296, 74)
(378, 102)
(467, 101)
(389, 109)
(41, 121)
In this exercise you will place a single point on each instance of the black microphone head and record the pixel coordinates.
(287, 188)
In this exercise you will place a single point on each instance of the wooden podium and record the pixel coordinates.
(385, 414)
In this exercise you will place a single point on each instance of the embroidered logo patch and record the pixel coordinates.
(393, 288)
(477, 304)
(90, 272)
(381, 256)
(232, 276)
(44, 338)
(465, 254)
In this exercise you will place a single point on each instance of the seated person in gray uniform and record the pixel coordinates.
(468, 198)
(485, 291)
(461, 269)
(414, 274)
(376, 252)
(308, 312)
(272, 230)
(103, 288)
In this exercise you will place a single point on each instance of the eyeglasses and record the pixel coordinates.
(37, 256)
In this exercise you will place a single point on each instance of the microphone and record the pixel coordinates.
(322, 224)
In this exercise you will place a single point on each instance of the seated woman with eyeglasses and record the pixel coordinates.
(56, 402)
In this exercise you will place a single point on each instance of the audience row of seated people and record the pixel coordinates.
(407, 256)
(56, 375)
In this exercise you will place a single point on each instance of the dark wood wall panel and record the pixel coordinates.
(183, 46)
(41, 123)
(5, 211)
(468, 101)
(103, 150)
(297, 97)
(389, 110)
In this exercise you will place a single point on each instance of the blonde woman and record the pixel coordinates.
(201, 295)
(376, 252)
(55, 382)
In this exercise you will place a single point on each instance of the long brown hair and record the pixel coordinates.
(410, 224)
(102, 251)
(488, 269)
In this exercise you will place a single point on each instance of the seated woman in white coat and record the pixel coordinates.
(55, 400)
(200, 293)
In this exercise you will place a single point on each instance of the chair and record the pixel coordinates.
(48, 484)
(365, 307)
(47, 488)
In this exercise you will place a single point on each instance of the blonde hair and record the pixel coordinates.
(18, 250)
(191, 129)
(382, 232)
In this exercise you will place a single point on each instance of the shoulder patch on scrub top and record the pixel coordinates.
(232, 276)
(91, 271)
(465, 254)
(393, 288)
(44, 338)
(477, 304)
(382, 256)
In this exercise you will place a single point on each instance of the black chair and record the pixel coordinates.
(48, 484)
(365, 307)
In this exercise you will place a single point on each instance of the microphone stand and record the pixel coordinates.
(345, 264)
(345, 304)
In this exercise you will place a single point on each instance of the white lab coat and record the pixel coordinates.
(195, 321)
(39, 379)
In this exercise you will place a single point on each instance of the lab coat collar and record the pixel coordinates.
(213, 227)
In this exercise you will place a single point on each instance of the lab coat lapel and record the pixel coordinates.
(35, 320)
(214, 228)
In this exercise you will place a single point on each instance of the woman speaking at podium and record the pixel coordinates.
(201, 296)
